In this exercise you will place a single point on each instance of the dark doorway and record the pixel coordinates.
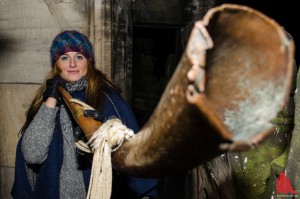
(155, 57)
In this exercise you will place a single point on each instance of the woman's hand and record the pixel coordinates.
(51, 95)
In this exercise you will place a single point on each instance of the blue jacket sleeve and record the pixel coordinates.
(115, 106)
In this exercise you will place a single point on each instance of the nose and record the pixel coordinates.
(72, 62)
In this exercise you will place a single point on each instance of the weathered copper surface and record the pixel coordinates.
(248, 72)
(248, 75)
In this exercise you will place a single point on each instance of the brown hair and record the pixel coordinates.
(97, 83)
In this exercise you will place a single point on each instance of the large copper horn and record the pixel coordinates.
(248, 80)
(233, 78)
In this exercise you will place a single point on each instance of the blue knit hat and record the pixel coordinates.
(71, 41)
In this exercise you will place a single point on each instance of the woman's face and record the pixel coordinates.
(73, 66)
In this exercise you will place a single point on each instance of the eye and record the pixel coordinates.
(79, 57)
(65, 58)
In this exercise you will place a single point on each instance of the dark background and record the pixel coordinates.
(283, 12)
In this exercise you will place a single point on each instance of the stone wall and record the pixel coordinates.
(122, 46)
(14, 101)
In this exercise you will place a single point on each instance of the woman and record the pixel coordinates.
(47, 163)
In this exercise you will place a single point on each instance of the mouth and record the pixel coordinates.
(73, 72)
